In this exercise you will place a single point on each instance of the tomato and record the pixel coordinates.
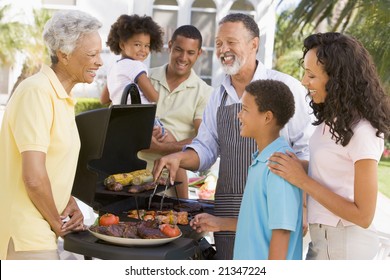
(108, 219)
(170, 230)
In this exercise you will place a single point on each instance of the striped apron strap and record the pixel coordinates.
(236, 155)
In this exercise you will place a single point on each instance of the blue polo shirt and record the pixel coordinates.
(269, 202)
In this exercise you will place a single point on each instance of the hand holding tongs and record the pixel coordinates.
(167, 183)
(163, 179)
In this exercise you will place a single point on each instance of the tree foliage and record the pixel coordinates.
(372, 27)
(367, 20)
(12, 36)
(25, 39)
(288, 49)
(34, 48)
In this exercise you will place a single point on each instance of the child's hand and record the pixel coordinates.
(158, 136)
(158, 133)
(205, 222)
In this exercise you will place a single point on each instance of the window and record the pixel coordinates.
(243, 6)
(59, 2)
(165, 14)
(203, 14)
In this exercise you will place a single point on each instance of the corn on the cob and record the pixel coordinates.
(122, 178)
(125, 178)
(141, 179)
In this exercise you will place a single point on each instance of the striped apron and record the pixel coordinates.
(236, 156)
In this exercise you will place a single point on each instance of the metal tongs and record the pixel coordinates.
(163, 179)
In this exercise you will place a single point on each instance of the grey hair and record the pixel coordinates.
(247, 20)
(65, 28)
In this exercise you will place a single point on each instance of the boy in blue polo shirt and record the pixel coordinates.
(270, 219)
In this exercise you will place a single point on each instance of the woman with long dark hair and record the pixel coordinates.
(352, 114)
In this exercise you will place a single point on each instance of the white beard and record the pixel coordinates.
(234, 68)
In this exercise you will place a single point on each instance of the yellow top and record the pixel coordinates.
(39, 117)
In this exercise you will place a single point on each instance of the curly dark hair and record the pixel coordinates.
(127, 26)
(354, 90)
(274, 96)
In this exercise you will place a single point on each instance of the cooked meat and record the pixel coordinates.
(163, 217)
(141, 188)
(115, 230)
(148, 217)
(182, 218)
(164, 177)
(143, 229)
(150, 230)
(98, 229)
(112, 230)
(116, 187)
(130, 230)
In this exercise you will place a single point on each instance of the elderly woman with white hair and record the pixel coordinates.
(39, 142)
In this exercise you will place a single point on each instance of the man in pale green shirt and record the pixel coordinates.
(182, 99)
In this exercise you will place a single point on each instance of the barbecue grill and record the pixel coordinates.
(110, 140)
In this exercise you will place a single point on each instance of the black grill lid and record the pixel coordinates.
(110, 140)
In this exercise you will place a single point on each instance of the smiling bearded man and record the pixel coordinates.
(236, 44)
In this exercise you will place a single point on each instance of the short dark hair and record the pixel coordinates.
(274, 96)
(247, 20)
(188, 31)
(127, 26)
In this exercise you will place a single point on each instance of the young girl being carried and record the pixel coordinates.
(133, 37)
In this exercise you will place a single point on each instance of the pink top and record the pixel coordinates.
(332, 165)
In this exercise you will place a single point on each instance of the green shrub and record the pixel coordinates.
(85, 104)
